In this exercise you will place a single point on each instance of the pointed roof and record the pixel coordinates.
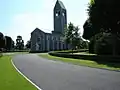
(61, 4)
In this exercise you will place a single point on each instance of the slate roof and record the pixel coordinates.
(61, 4)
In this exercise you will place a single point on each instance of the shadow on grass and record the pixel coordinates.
(110, 61)
(109, 64)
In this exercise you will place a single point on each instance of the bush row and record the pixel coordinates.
(72, 51)
(98, 58)
(38, 51)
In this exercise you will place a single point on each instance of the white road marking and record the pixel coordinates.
(25, 76)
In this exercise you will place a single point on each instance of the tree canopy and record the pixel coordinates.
(105, 14)
(28, 45)
(19, 43)
(72, 37)
(2, 40)
(9, 42)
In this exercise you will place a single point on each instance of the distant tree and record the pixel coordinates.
(84, 44)
(13, 44)
(72, 37)
(69, 33)
(19, 43)
(76, 37)
(68, 37)
(9, 42)
(28, 45)
(2, 41)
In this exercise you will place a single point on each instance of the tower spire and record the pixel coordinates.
(60, 17)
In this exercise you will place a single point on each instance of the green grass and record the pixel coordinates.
(10, 79)
(89, 63)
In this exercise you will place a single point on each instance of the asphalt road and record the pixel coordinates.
(53, 75)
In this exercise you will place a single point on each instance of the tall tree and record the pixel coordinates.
(68, 37)
(19, 43)
(76, 37)
(72, 36)
(2, 41)
(90, 30)
(105, 15)
(28, 45)
(13, 44)
(9, 42)
(69, 33)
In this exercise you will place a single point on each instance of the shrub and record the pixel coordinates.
(103, 45)
(91, 45)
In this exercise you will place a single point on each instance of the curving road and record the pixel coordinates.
(53, 75)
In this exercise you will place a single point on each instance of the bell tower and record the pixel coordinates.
(60, 17)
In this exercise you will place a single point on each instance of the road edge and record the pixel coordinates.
(24, 76)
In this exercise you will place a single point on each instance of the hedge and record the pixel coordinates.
(74, 51)
(97, 58)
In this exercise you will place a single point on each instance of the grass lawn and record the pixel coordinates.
(105, 65)
(10, 79)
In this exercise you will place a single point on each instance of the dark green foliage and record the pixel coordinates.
(103, 45)
(2, 41)
(13, 44)
(76, 38)
(104, 16)
(19, 43)
(98, 58)
(84, 44)
(68, 34)
(28, 45)
(9, 42)
(87, 33)
(72, 36)
(91, 45)
(89, 30)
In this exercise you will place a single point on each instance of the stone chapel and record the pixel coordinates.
(42, 41)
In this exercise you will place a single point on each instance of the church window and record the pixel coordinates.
(52, 38)
(38, 39)
(57, 13)
(63, 14)
(47, 37)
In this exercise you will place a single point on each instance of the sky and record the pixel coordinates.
(21, 17)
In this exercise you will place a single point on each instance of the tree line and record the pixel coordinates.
(102, 27)
(7, 43)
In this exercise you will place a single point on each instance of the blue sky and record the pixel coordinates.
(21, 17)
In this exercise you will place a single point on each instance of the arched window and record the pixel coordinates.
(63, 14)
(39, 39)
(57, 13)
